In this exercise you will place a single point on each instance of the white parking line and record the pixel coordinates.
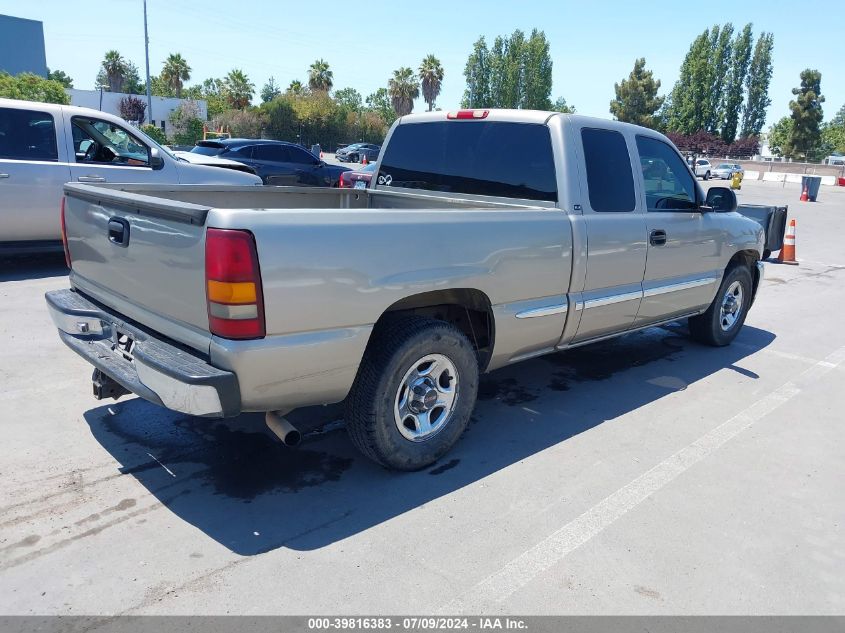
(502, 584)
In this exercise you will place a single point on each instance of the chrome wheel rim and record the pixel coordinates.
(731, 306)
(426, 397)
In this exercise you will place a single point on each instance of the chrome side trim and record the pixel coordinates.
(542, 311)
(685, 285)
(611, 299)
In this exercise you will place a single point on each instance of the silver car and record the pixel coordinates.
(45, 145)
(725, 171)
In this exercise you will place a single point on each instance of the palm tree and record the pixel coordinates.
(431, 78)
(403, 89)
(115, 69)
(296, 87)
(320, 77)
(175, 72)
(238, 89)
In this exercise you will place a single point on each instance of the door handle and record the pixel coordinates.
(4, 175)
(91, 179)
(657, 237)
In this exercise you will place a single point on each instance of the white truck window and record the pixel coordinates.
(27, 135)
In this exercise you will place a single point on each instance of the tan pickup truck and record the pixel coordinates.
(485, 238)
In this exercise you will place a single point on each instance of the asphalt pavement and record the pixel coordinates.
(645, 475)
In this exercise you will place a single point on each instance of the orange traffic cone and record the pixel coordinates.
(365, 161)
(805, 195)
(787, 253)
(321, 154)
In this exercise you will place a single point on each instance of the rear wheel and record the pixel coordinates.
(723, 320)
(414, 392)
(707, 175)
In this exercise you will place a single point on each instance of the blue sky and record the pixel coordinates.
(593, 44)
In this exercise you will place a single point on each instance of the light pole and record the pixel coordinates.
(147, 55)
(101, 86)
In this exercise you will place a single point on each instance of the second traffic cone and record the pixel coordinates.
(365, 161)
(787, 253)
(805, 195)
(321, 154)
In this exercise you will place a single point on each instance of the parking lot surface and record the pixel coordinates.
(645, 475)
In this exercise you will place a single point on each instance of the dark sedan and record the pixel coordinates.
(276, 162)
(355, 153)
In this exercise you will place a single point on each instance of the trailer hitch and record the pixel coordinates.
(106, 387)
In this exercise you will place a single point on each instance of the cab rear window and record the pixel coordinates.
(488, 158)
(27, 135)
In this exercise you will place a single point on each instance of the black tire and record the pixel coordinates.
(767, 253)
(708, 327)
(396, 345)
(707, 175)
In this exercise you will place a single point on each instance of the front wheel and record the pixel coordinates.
(414, 392)
(707, 175)
(723, 320)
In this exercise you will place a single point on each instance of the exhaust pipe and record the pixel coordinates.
(283, 429)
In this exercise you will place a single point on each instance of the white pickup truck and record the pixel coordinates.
(44, 145)
(485, 238)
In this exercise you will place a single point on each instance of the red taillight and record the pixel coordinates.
(233, 285)
(64, 235)
(468, 114)
(342, 181)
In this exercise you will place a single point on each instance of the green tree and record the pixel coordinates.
(477, 74)
(807, 114)
(60, 76)
(113, 69)
(514, 73)
(155, 133)
(686, 111)
(839, 117)
(30, 87)
(403, 89)
(160, 88)
(560, 105)
(636, 97)
(779, 135)
(238, 89)
(320, 76)
(757, 86)
(280, 118)
(719, 66)
(270, 91)
(380, 103)
(732, 97)
(296, 88)
(186, 123)
(349, 99)
(176, 72)
(240, 123)
(431, 79)
(536, 72)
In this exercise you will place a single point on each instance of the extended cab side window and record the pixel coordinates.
(27, 135)
(486, 158)
(104, 143)
(669, 186)
(609, 177)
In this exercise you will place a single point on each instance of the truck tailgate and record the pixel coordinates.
(141, 256)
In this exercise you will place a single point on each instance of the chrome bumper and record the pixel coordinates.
(157, 370)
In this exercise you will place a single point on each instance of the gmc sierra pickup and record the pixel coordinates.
(485, 238)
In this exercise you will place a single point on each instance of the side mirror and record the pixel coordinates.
(720, 199)
(156, 160)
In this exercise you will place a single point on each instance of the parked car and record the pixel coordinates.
(212, 161)
(276, 162)
(358, 179)
(725, 171)
(44, 145)
(703, 169)
(489, 237)
(355, 153)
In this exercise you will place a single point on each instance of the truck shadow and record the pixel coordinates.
(35, 266)
(234, 481)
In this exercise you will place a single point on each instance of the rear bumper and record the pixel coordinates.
(157, 370)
